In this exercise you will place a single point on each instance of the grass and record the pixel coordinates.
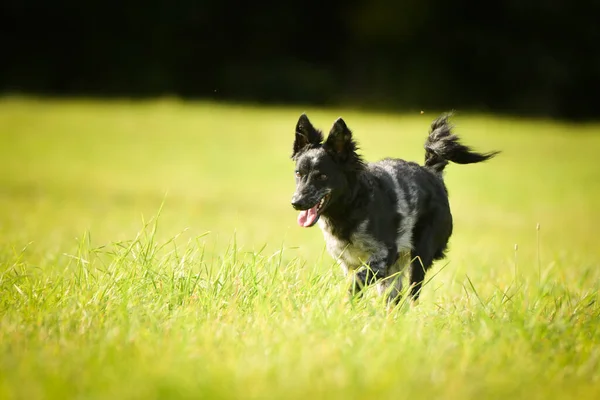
(148, 250)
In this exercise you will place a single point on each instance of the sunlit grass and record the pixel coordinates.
(148, 250)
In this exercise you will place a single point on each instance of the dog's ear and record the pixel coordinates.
(306, 135)
(339, 142)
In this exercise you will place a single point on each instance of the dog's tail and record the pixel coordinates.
(443, 146)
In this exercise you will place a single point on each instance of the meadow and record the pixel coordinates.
(148, 250)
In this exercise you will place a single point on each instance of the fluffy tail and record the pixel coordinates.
(443, 146)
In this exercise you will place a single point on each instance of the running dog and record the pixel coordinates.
(377, 217)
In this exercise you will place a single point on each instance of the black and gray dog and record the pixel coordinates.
(377, 217)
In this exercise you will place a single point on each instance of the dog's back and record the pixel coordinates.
(420, 195)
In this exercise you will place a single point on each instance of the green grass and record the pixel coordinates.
(148, 250)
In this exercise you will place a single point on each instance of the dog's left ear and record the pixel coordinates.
(339, 141)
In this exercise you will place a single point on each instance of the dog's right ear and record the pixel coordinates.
(306, 135)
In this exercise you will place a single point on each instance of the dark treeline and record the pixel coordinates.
(537, 57)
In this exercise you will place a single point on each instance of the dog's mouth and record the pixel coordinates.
(308, 218)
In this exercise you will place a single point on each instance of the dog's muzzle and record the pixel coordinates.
(300, 203)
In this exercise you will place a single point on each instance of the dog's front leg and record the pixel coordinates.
(373, 271)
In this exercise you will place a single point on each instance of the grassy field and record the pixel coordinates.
(148, 250)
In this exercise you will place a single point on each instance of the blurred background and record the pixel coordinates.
(532, 58)
(81, 163)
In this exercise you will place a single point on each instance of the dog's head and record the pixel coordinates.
(324, 171)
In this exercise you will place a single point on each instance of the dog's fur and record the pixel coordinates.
(377, 217)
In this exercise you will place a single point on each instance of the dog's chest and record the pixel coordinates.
(353, 253)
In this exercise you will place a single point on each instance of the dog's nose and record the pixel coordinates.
(296, 202)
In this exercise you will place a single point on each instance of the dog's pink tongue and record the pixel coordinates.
(307, 217)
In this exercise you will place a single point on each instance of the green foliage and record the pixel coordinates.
(216, 293)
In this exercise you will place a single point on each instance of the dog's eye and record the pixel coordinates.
(298, 175)
(323, 177)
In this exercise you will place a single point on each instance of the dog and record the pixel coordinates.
(377, 217)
